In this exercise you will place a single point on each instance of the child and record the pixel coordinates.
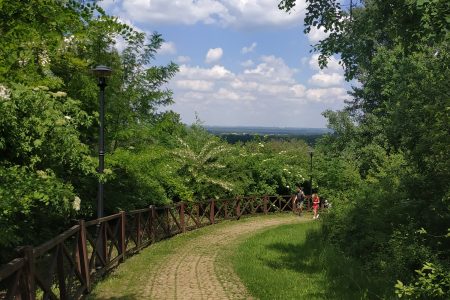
(316, 202)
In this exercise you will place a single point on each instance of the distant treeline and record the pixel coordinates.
(235, 138)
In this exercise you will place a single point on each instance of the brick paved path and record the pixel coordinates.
(192, 272)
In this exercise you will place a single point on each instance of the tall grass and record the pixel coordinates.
(294, 262)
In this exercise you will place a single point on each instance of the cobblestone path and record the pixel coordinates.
(192, 272)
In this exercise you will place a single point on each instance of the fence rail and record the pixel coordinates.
(66, 266)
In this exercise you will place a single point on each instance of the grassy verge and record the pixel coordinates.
(293, 262)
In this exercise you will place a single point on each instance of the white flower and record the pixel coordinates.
(76, 203)
(60, 94)
(4, 92)
(68, 117)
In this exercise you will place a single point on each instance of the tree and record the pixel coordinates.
(396, 126)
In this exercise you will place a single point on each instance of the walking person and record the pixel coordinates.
(316, 202)
(299, 199)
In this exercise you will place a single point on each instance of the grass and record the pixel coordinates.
(293, 262)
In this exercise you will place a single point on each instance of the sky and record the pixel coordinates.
(242, 62)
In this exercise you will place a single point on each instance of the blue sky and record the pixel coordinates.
(242, 62)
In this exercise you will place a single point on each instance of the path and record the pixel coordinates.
(188, 266)
(192, 272)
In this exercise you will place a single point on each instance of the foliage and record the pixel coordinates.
(33, 203)
(394, 131)
(432, 282)
(199, 156)
(40, 129)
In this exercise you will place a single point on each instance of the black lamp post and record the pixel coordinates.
(310, 151)
(101, 72)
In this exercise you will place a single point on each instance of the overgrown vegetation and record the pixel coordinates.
(389, 156)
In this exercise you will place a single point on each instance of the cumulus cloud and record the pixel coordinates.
(213, 55)
(324, 79)
(267, 93)
(332, 65)
(249, 49)
(215, 73)
(195, 85)
(271, 79)
(227, 13)
(327, 95)
(273, 69)
(317, 34)
(167, 48)
(182, 59)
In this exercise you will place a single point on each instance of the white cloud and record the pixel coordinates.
(272, 69)
(215, 73)
(271, 80)
(182, 59)
(167, 48)
(213, 55)
(266, 94)
(248, 63)
(228, 13)
(324, 79)
(327, 95)
(332, 65)
(249, 49)
(317, 34)
(195, 85)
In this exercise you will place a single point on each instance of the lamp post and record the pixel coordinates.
(101, 72)
(310, 151)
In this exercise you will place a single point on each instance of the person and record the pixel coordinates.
(299, 198)
(316, 201)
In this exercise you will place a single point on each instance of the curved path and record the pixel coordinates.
(192, 271)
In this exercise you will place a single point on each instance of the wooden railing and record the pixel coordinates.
(66, 266)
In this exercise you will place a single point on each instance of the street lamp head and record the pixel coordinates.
(102, 71)
(311, 151)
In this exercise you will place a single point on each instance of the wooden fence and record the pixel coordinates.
(66, 266)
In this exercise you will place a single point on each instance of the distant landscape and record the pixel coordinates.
(233, 134)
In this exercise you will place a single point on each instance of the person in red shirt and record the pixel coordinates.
(316, 202)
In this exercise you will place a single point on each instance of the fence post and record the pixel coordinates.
(225, 206)
(182, 223)
(252, 205)
(122, 238)
(138, 230)
(104, 242)
(82, 253)
(294, 209)
(152, 223)
(30, 291)
(265, 200)
(60, 272)
(238, 208)
(211, 212)
(167, 220)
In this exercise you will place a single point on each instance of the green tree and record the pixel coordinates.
(395, 128)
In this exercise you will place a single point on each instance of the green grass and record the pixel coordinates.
(293, 262)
